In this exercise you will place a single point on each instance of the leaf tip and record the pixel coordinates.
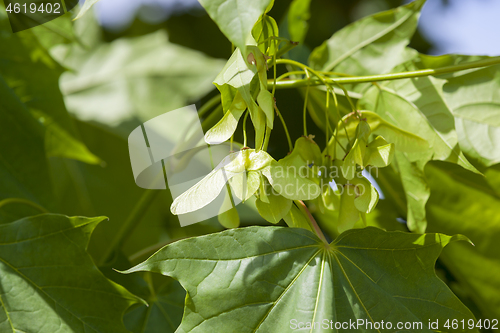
(459, 237)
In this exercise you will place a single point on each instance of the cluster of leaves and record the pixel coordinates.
(422, 131)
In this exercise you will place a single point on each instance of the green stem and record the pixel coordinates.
(245, 130)
(209, 105)
(385, 77)
(323, 80)
(266, 138)
(346, 94)
(290, 145)
(128, 226)
(151, 249)
(304, 115)
(336, 74)
(326, 115)
(302, 206)
(212, 118)
(287, 74)
(299, 65)
(337, 128)
(9, 201)
(289, 45)
(274, 69)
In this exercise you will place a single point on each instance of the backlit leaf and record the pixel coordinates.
(289, 183)
(366, 195)
(276, 209)
(225, 128)
(298, 15)
(379, 153)
(86, 6)
(230, 218)
(236, 18)
(348, 213)
(416, 190)
(372, 45)
(295, 219)
(357, 152)
(403, 140)
(474, 101)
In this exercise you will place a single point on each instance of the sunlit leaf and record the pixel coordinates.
(366, 195)
(287, 272)
(264, 32)
(238, 73)
(474, 101)
(401, 102)
(230, 218)
(402, 140)
(289, 183)
(416, 189)
(357, 152)
(266, 102)
(296, 219)
(379, 153)
(276, 209)
(225, 128)
(236, 18)
(372, 45)
(418, 106)
(298, 15)
(348, 213)
(207, 189)
(86, 6)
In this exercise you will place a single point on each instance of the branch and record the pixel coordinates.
(286, 84)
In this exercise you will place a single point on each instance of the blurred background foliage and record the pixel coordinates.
(128, 63)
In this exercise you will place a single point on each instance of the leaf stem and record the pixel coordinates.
(128, 226)
(151, 249)
(209, 105)
(245, 130)
(327, 108)
(286, 84)
(8, 201)
(302, 206)
(320, 77)
(289, 45)
(287, 74)
(346, 94)
(266, 138)
(290, 145)
(304, 115)
(274, 69)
